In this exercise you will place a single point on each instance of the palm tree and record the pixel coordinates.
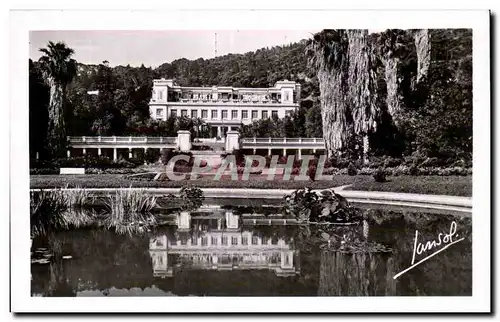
(58, 70)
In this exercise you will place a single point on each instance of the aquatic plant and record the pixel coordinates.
(78, 197)
(79, 218)
(325, 206)
(46, 211)
(192, 197)
(129, 211)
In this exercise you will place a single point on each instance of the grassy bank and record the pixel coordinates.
(436, 185)
(121, 181)
(440, 185)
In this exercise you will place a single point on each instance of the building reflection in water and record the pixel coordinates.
(213, 239)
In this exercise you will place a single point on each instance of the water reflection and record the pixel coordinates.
(217, 251)
(217, 242)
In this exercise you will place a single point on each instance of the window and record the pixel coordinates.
(234, 114)
(264, 115)
(234, 240)
(173, 113)
(255, 240)
(244, 114)
(204, 241)
(194, 114)
(184, 112)
(160, 95)
(274, 114)
(214, 114)
(287, 96)
(214, 240)
(224, 240)
(224, 114)
(194, 241)
(244, 240)
(159, 112)
(255, 115)
(204, 114)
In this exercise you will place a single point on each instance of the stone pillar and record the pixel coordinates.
(115, 154)
(299, 154)
(219, 224)
(232, 220)
(99, 151)
(84, 151)
(254, 151)
(284, 152)
(184, 141)
(269, 151)
(219, 131)
(232, 141)
(130, 153)
(68, 153)
(184, 220)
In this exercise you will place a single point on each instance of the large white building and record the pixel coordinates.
(223, 108)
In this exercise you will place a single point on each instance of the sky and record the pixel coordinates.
(153, 48)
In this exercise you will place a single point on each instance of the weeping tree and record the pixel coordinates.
(348, 87)
(58, 70)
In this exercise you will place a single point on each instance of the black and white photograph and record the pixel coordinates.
(212, 162)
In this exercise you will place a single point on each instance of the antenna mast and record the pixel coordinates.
(215, 45)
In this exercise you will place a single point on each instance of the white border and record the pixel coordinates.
(23, 21)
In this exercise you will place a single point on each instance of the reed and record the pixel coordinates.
(129, 211)
(46, 211)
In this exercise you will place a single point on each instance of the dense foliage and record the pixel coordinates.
(408, 91)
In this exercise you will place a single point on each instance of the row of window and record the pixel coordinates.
(224, 241)
(214, 115)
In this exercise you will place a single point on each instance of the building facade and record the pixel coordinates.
(223, 108)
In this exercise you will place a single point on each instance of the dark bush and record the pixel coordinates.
(311, 171)
(152, 155)
(352, 170)
(44, 171)
(137, 161)
(379, 175)
(239, 157)
(391, 162)
(413, 170)
(166, 155)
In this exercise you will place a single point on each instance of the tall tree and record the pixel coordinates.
(58, 69)
(38, 102)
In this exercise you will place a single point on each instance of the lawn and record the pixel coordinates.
(441, 185)
(436, 185)
(120, 181)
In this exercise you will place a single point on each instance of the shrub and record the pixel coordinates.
(352, 170)
(311, 171)
(136, 161)
(379, 175)
(38, 171)
(152, 155)
(391, 162)
(166, 155)
(192, 196)
(122, 163)
(413, 170)
(239, 157)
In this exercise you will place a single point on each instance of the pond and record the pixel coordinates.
(246, 250)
